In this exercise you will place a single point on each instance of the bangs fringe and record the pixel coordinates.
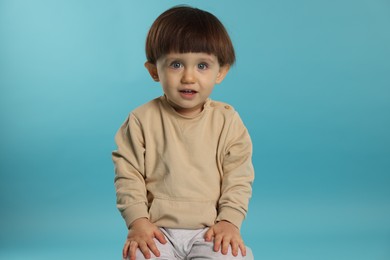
(191, 30)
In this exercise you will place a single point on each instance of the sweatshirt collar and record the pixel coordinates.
(173, 111)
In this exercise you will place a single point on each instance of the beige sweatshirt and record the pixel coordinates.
(183, 172)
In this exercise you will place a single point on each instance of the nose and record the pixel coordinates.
(188, 77)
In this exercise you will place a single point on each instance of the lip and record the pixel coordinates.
(188, 93)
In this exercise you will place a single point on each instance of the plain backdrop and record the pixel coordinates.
(311, 82)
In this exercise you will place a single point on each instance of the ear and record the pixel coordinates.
(152, 70)
(223, 71)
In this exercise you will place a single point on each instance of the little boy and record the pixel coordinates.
(183, 170)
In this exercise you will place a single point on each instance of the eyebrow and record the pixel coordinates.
(209, 60)
(201, 59)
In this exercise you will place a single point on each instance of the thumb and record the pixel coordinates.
(160, 236)
(209, 234)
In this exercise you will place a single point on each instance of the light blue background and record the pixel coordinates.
(312, 83)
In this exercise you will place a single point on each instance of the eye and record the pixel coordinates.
(176, 65)
(203, 66)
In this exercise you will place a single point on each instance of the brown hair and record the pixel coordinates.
(186, 29)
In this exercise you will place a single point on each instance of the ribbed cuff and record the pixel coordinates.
(134, 212)
(231, 215)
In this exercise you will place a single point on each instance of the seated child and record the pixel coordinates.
(183, 169)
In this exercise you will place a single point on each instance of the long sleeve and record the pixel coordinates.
(129, 171)
(238, 174)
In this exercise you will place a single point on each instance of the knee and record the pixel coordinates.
(205, 250)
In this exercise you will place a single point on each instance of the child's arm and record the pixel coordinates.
(236, 189)
(131, 190)
(226, 234)
(141, 235)
(130, 171)
(238, 174)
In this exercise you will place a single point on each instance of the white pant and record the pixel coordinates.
(187, 244)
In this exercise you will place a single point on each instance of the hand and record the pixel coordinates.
(141, 235)
(225, 234)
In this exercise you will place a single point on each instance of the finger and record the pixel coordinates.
(133, 249)
(125, 251)
(242, 248)
(234, 246)
(144, 249)
(160, 237)
(217, 243)
(152, 246)
(225, 246)
(209, 235)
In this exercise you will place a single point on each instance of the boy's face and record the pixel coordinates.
(187, 79)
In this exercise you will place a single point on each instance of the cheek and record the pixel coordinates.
(167, 83)
(213, 81)
(169, 78)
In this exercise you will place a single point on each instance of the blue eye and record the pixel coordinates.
(176, 65)
(202, 66)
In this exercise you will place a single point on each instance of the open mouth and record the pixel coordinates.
(188, 91)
